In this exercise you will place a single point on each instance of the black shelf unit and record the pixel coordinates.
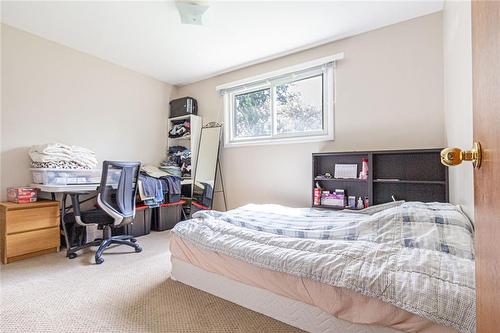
(341, 180)
(412, 175)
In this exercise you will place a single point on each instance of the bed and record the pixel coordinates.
(397, 267)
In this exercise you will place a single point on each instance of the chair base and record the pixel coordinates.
(122, 240)
(104, 243)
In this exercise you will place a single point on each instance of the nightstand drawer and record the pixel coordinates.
(31, 219)
(32, 241)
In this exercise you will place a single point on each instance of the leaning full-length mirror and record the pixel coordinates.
(206, 168)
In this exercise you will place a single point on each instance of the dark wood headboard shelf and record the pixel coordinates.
(411, 175)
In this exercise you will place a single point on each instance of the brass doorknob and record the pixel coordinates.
(455, 156)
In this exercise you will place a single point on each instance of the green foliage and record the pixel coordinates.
(253, 112)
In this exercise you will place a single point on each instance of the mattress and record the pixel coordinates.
(295, 313)
(342, 303)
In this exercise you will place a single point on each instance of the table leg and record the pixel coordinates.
(65, 232)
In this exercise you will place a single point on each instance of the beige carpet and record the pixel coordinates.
(129, 292)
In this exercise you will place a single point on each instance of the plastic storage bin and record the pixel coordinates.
(195, 206)
(141, 225)
(167, 216)
(65, 176)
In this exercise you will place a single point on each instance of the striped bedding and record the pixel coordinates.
(416, 256)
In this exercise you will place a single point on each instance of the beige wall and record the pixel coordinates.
(52, 93)
(457, 53)
(389, 95)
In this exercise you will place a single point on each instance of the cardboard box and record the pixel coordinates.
(335, 199)
(21, 194)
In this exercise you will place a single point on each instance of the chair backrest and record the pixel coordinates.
(118, 189)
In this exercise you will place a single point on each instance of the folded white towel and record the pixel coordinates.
(81, 150)
(60, 152)
(41, 157)
(154, 171)
(52, 148)
(84, 158)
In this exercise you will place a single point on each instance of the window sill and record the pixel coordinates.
(268, 142)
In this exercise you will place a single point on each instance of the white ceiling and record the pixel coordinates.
(146, 36)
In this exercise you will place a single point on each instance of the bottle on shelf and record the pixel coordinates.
(360, 204)
(317, 195)
(364, 169)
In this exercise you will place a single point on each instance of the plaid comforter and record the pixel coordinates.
(416, 256)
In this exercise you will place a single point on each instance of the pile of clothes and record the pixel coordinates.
(157, 187)
(61, 156)
(179, 129)
(178, 162)
(171, 168)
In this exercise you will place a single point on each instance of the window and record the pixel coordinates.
(292, 105)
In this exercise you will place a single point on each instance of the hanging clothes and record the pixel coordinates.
(155, 191)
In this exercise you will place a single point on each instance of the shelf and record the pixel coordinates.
(334, 207)
(185, 137)
(403, 181)
(180, 117)
(342, 180)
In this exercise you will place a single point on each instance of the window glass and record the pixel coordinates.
(299, 105)
(252, 114)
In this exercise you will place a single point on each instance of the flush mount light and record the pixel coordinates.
(191, 11)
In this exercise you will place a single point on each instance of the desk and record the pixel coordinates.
(66, 190)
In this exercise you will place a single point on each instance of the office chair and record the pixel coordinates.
(116, 201)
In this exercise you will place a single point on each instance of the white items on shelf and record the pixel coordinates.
(346, 171)
(360, 204)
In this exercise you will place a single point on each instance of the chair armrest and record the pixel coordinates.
(75, 202)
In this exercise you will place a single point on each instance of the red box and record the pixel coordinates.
(21, 194)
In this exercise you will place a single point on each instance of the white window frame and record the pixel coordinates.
(323, 66)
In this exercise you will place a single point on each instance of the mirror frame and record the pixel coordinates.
(207, 126)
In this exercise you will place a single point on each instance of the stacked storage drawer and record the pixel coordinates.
(72, 176)
(65, 176)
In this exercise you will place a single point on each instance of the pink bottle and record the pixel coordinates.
(364, 169)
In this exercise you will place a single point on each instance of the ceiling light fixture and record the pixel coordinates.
(191, 12)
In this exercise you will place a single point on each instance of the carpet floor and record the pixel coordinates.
(129, 292)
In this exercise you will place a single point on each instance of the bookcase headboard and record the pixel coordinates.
(411, 175)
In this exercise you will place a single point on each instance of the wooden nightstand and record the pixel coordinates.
(28, 230)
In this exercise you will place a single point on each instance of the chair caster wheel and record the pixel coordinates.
(138, 249)
(99, 261)
(72, 255)
(133, 240)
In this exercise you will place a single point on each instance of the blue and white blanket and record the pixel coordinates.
(416, 256)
